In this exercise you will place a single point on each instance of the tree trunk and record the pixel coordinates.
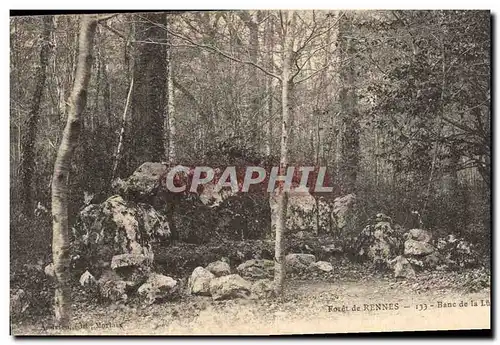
(269, 89)
(170, 132)
(60, 179)
(119, 148)
(28, 140)
(149, 96)
(350, 115)
(282, 196)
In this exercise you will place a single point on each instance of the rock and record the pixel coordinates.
(18, 302)
(199, 282)
(378, 242)
(256, 269)
(132, 267)
(342, 212)
(402, 267)
(219, 268)
(301, 215)
(49, 270)
(432, 260)
(112, 287)
(458, 252)
(157, 287)
(115, 227)
(320, 266)
(212, 197)
(262, 288)
(87, 280)
(299, 262)
(229, 287)
(420, 235)
(144, 181)
(417, 248)
(130, 260)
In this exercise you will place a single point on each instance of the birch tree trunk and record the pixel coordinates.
(60, 179)
(119, 148)
(269, 89)
(170, 128)
(282, 196)
(28, 139)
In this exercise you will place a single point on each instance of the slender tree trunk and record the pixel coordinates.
(269, 89)
(119, 148)
(282, 196)
(60, 179)
(28, 140)
(170, 128)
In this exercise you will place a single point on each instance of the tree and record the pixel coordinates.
(60, 181)
(28, 140)
(349, 149)
(149, 97)
(169, 126)
(289, 19)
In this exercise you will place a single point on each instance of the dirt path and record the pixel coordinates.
(309, 307)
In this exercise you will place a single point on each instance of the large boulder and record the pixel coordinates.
(321, 266)
(130, 260)
(457, 252)
(219, 268)
(417, 248)
(256, 269)
(343, 213)
(157, 287)
(229, 287)
(115, 227)
(378, 242)
(420, 235)
(433, 260)
(212, 197)
(298, 262)
(145, 182)
(199, 282)
(301, 211)
(132, 267)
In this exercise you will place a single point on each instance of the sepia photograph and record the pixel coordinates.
(250, 172)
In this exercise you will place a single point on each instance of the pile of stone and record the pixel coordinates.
(253, 278)
(378, 242)
(217, 281)
(130, 275)
(386, 245)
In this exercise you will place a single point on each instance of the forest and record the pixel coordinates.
(393, 106)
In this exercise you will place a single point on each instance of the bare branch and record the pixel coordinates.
(105, 17)
(217, 50)
(116, 32)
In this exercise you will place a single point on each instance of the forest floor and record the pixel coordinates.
(308, 306)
